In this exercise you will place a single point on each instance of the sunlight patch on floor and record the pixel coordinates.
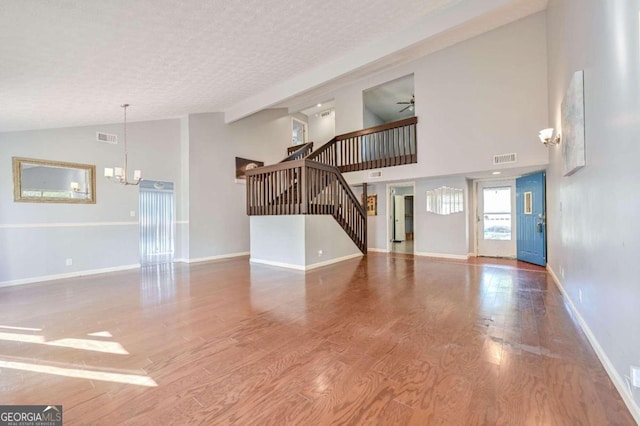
(84, 344)
(130, 379)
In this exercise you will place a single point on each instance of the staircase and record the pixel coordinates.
(311, 182)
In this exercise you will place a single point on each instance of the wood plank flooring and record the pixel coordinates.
(388, 339)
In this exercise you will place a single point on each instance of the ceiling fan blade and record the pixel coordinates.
(405, 108)
(401, 103)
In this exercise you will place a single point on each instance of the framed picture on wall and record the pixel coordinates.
(242, 165)
(372, 205)
(572, 110)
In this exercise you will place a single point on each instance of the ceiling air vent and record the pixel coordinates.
(505, 158)
(375, 174)
(107, 138)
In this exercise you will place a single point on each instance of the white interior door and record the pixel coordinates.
(299, 132)
(496, 230)
(399, 233)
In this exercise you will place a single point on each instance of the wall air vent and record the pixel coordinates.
(326, 113)
(375, 174)
(106, 138)
(505, 158)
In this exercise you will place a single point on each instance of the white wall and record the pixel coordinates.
(494, 84)
(433, 234)
(218, 220)
(324, 234)
(278, 240)
(197, 153)
(471, 216)
(299, 241)
(377, 225)
(370, 119)
(182, 208)
(349, 106)
(484, 96)
(440, 234)
(593, 241)
(36, 239)
(321, 129)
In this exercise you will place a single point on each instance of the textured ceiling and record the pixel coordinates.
(510, 11)
(73, 62)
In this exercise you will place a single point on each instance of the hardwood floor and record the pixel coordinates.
(388, 339)
(405, 247)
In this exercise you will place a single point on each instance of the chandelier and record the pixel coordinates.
(119, 174)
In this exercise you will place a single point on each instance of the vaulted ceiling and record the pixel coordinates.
(73, 62)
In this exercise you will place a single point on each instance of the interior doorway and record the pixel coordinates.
(496, 219)
(298, 131)
(401, 228)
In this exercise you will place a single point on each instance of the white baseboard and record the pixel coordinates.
(209, 258)
(615, 377)
(470, 255)
(443, 255)
(278, 264)
(377, 250)
(67, 275)
(332, 261)
(306, 267)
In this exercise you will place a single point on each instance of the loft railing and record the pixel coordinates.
(306, 187)
(391, 144)
(307, 182)
(298, 152)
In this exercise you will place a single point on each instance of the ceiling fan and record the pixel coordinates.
(409, 104)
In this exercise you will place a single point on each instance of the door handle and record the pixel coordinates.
(541, 222)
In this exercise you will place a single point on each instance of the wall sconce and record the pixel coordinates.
(75, 187)
(547, 138)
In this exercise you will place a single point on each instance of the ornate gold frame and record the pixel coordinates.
(17, 181)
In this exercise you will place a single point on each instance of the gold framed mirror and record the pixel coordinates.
(43, 181)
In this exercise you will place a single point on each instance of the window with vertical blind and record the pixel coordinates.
(157, 222)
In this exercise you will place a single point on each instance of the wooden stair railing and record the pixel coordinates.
(298, 152)
(306, 187)
(308, 182)
(391, 144)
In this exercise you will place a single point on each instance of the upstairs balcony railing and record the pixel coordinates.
(307, 182)
(387, 145)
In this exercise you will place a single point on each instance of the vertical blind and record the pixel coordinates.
(157, 222)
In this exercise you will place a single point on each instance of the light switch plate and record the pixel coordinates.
(132, 213)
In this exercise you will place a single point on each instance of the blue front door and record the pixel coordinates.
(531, 219)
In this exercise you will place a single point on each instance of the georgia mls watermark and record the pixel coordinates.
(30, 415)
